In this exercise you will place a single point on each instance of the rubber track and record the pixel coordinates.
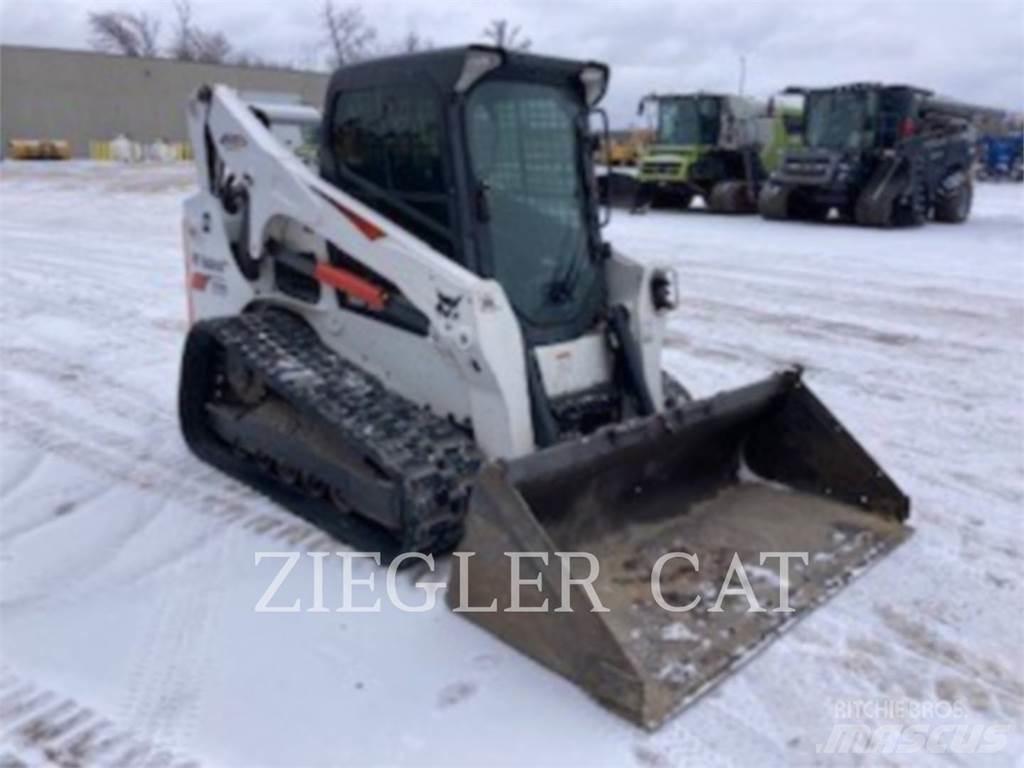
(431, 459)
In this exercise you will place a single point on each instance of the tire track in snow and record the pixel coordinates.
(41, 725)
(164, 695)
(127, 459)
(169, 470)
(99, 386)
(93, 308)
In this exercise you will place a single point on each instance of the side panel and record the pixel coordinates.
(576, 365)
(405, 362)
(214, 285)
(629, 284)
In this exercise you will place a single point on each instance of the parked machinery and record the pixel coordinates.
(880, 155)
(719, 147)
(427, 340)
(1001, 157)
(38, 149)
(623, 148)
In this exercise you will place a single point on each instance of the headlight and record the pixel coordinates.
(479, 61)
(595, 80)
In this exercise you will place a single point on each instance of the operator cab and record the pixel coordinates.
(689, 120)
(861, 116)
(485, 155)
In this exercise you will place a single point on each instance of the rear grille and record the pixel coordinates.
(807, 167)
(661, 169)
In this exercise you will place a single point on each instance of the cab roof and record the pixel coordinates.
(693, 94)
(859, 86)
(443, 66)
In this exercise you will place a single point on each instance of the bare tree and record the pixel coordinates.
(181, 45)
(129, 34)
(411, 42)
(211, 47)
(192, 43)
(349, 36)
(247, 59)
(414, 42)
(504, 35)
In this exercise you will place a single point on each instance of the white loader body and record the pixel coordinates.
(472, 364)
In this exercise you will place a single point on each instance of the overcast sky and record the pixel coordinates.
(971, 50)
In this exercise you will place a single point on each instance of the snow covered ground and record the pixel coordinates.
(128, 577)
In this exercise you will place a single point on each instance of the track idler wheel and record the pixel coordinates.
(286, 473)
(314, 486)
(339, 501)
(266, 464)
(245, 383)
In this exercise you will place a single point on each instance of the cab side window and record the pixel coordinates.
(895, 106)
(393, 140)
(359, 135)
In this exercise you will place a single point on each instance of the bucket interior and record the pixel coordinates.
(689, 488)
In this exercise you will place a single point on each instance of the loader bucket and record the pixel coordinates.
(761, 469)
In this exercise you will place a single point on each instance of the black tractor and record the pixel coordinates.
(879, 155)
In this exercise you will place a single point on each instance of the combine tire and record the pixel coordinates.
(913, 212)
(617, 189)
(808, 210)
(643, 198)
(874, 210)
(878, 202)
(953, 206)
(868, 215)
(731, 197)
(670, 197)
(773, 202)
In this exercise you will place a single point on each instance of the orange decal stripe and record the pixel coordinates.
(369, 230)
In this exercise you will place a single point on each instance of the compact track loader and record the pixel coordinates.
(425, 340)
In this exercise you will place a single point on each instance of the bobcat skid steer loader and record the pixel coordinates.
(426, 341)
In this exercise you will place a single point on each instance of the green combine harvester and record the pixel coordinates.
(719, 147)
